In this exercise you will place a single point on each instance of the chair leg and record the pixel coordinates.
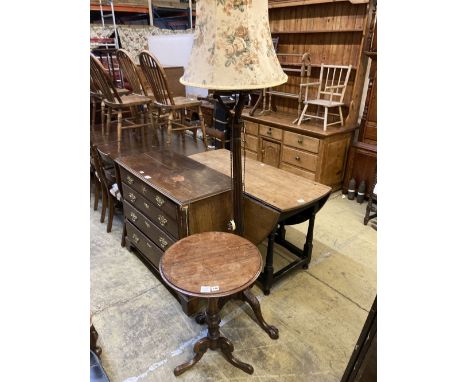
(325, 116)
(103, 117)
(302, 114)
(341, 115)
(108, 122)
(111, 213)
(93, 118)
(149, 110)
(169, 126)
(97, 189)
(104, 204)
(202, 125)
(119, 125)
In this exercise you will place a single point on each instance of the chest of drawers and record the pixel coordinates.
(166, 197)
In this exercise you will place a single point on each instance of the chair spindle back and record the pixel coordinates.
(156, 77)
(333, 80)
(102, 81)
(130, 72)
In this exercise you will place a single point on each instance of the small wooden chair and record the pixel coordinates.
(330, 93)
(110, 181)
(113, 100)
(174, 108)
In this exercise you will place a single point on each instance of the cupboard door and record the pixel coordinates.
(271, 152)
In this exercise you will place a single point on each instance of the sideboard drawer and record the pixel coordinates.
(163, 203)
(298, 171)
(251, 127)
(156, 215)
(150, 250)
(301, 141)
(299, 158)
(146, 226)
(271, 132)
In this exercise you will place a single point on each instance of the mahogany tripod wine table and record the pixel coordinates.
(217, 266)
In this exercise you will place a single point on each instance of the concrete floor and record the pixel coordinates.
(319, 312)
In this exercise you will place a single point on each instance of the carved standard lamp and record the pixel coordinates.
(233, 52)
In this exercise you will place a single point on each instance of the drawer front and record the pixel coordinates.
(294, 170)
(251, 142)
(301, 142)
(299, 158)
(150, 250)
(146, 226)
(271, 132)
(155, 197)
(156, 215)
(251, 128)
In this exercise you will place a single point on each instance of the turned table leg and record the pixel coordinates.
(309, 238)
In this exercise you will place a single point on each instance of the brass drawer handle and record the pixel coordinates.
(144, 189)
(147, 206)
(147, 224)
(133, 217)
(269, 131)
(132, 197)
(149, 245)
(300, 140)
(159, 201)
(162, 220)
(130, 180)
(136, 238)
(297, 158)
(163, 242)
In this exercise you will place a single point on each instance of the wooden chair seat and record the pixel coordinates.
(186, 102)
(130, 100)
(324, 102)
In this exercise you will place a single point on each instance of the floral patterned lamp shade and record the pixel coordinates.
(232, 47)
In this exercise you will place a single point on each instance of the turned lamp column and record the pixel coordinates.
(235, 123)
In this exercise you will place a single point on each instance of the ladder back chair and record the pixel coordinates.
(331, 89)
(111, 184)
(130, 72)
(135, 103)
(171, 108)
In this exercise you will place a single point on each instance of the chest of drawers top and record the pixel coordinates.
(168, 175)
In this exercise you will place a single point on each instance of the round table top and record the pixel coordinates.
(211, 264)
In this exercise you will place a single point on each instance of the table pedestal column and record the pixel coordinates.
(213, 341)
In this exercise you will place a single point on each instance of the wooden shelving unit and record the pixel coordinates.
(333, 32)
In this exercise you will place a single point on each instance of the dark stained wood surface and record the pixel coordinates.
(180, 178)
(278, 188)
(217, 259)
(135, 143)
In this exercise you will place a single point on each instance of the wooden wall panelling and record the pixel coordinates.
(331, 31)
